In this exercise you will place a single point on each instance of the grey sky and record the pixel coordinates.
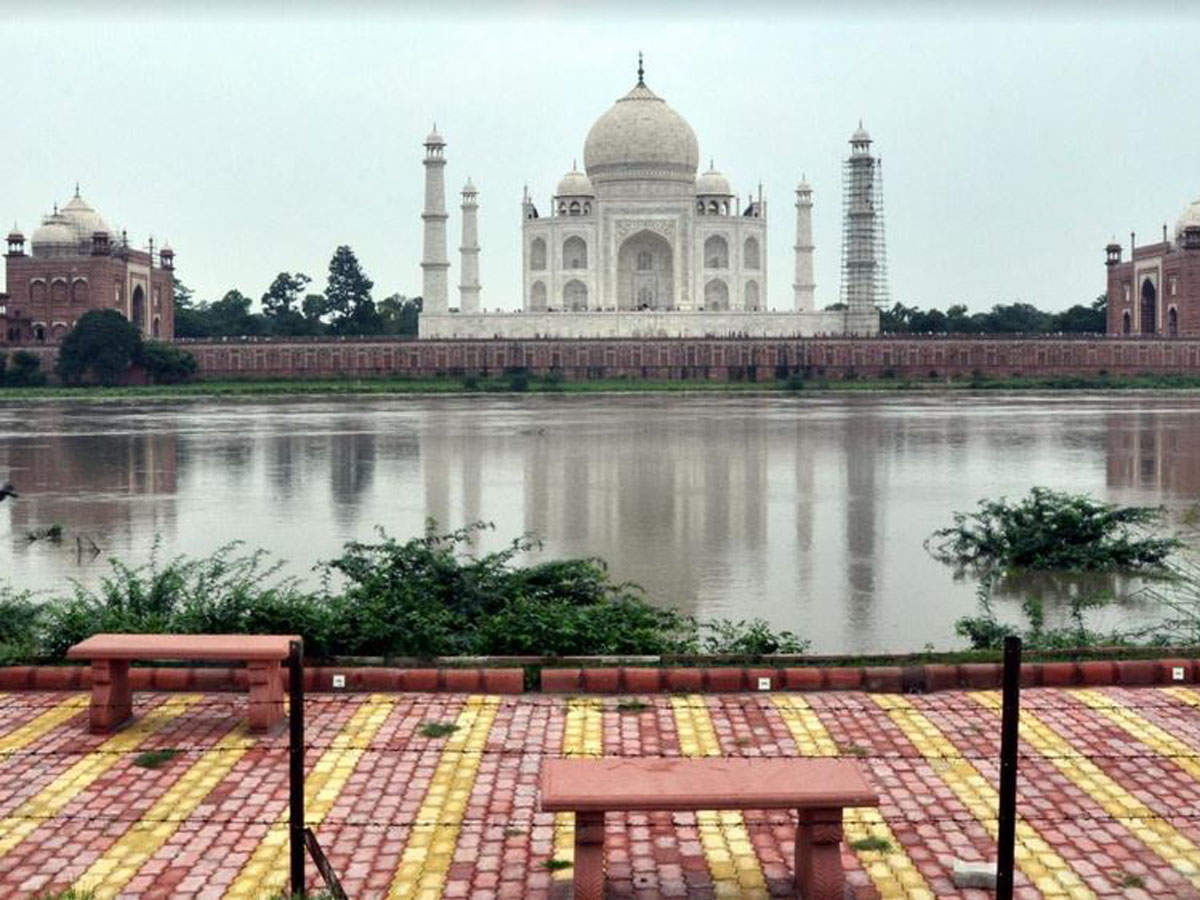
(1015, 144)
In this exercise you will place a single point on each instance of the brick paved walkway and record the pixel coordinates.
(1110, 794)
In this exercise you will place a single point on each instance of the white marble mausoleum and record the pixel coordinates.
(635, 245)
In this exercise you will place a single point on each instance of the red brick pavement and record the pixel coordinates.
(69, 800)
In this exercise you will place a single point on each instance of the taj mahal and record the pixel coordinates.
(638, 245)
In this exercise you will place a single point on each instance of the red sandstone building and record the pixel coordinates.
(1157, 291)
(78, 263)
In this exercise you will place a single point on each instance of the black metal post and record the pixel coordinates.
(1009, 721)
(296, 767)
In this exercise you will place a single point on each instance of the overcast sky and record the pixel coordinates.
(1015, 143)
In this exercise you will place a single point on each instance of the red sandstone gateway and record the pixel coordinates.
(110, 655)
(818, 788)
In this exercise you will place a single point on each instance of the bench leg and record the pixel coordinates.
(589, 856)
(819, 874)
(112, 701)
(266, 695)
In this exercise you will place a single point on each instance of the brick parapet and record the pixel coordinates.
(702, 358)
(635, 679)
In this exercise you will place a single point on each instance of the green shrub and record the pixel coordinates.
(423, 597)
(1052, 530)
(101, 348)
(25, 371)
(165, 363)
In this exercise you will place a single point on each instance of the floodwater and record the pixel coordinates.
(808, 511)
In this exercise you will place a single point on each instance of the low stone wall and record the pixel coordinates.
(701, 358)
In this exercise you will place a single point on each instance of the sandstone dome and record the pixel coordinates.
(574, 184)
(641, 138)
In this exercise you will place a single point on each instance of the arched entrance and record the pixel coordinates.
(1126, 323)
(1149, 308)
(716, 295)
(575, 295)
(138, 310)
(645, 273)
(1173, 322)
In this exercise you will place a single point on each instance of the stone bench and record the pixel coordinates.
(111, 654)
(817, 788)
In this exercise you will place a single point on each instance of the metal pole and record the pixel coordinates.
(296, 767)
(1010, 718)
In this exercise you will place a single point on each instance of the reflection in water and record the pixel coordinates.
(807, 511)
(351, 469)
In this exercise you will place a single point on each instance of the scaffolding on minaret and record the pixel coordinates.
(864, 250)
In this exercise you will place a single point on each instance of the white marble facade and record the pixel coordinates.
(639, 232)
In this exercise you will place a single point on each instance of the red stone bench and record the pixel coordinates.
(110, 655)
(817, 788)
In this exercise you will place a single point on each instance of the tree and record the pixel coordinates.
(231, 316)
(166, 364)
(348, 296)
(314, 307)
(189, 321)
(281, 305)
(1018, 318)
(399, 314)
(102, 346)
(25, 371)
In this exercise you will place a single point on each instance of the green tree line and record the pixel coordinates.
(1010, 318)
(291, 309)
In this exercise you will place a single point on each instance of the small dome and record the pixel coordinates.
(713, 183)
(469, 187)
(434, 138)
(1189, 219)
(54, 234)
(82, 219)
(574, 184)
(15, 234)
(641, 137)
(803, 187)
(860, 135)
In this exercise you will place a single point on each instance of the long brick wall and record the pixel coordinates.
(702, 358)
(698, 358)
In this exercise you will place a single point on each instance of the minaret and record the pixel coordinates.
(803, 285)
(468, 290)
(864, 256)
(434, 265)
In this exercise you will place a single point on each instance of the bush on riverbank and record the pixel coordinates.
(1052, 530)
(1057, 531)
(422, 597)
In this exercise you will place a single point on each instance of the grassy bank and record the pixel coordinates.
(520, 383)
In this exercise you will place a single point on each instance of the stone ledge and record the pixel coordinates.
(601, 679)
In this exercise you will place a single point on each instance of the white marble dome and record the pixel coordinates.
(641, 138)
(1189, 219)
(574, 184)
(713, 183)
(84, 220)
(53, 236)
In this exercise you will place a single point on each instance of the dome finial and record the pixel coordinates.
(76, 190)
(641, 71)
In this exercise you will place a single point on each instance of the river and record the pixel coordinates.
(809, 511)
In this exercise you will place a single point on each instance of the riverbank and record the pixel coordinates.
(517, 383)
